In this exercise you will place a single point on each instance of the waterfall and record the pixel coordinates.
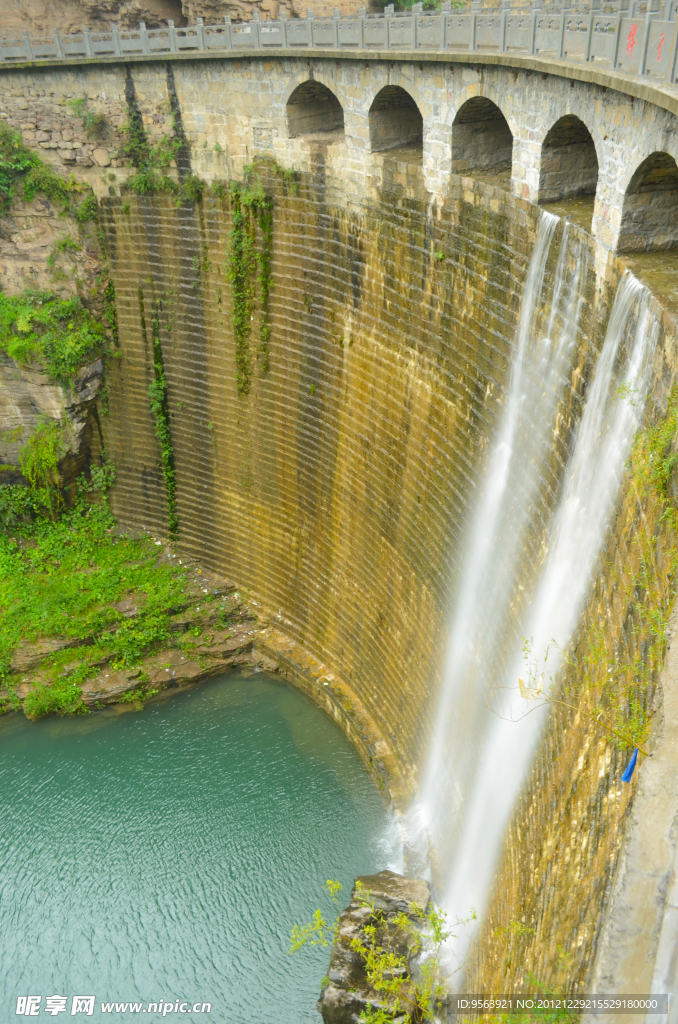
(489, 577)
(593, 476)
(528, 566)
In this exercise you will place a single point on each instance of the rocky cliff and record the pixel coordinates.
(42, 17)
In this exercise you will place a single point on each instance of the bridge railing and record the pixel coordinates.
(639, 37)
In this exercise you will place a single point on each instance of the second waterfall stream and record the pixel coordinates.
(533, 540)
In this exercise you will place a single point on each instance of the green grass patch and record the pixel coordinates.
(62, 579)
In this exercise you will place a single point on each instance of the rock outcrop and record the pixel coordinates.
(348, 992)
(30, 258)
(214, 651)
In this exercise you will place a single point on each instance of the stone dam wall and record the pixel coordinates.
(336, 483)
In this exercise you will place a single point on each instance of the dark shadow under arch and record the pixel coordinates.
(650, 211)
(395, 120)
(569, 162)
(312, 108)
(481, 138)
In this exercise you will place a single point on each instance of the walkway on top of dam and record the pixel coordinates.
(635, 38)
(456, 87)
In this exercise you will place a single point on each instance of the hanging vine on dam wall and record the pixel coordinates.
(250, 205)
(159, 407)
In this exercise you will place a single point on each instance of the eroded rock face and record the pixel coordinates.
(348, 992)
(41, 17)
(215, 651)
(29, 259)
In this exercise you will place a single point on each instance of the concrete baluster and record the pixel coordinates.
(115, 35)
(29, 47)
(88, 42)
(389, 11)
(671, 73)
(361, 19)
(646, 41)
(565, 13)
(283, 25)
(57, 44)
(143, 37)
(255, 29)
(335, 24)
(589, 37)
(505, 10)
(171, 36)
(472, 36)
(446, 8)
(617, 37)
(199, 33)
(536, 11)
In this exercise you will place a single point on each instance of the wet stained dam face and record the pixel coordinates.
(336, 481)
(336, 375)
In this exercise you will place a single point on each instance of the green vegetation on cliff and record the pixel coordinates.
(152, 160)
(58, 335)
(385, 945)
(23, 173)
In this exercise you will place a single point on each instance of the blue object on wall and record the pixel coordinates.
(626, 777)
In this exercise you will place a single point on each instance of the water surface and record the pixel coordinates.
(165, 854)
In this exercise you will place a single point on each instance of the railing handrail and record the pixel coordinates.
(638, 37)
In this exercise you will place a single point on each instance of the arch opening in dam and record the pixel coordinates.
(313, 108)
(395, 120)
(649, 221)
(569, 163)
(481, 138)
